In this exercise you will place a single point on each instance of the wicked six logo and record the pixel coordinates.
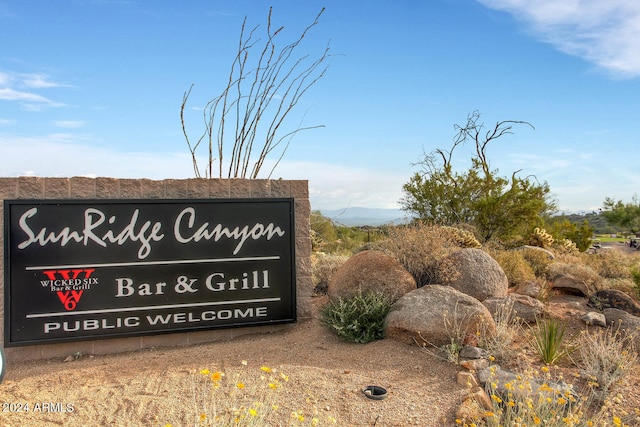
(69, 284)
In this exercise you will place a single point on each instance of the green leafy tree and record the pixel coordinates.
(323, 230)
(561, 227)
(625, 215)
(499, 207)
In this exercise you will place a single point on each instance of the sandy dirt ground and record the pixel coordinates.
(317, 377)
(325, 378)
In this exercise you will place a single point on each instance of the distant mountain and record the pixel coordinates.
(366, 216)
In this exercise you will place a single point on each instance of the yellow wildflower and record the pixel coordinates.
(205, 372)
(203, 417)
(216, 376)
(273, 386)
(253, 412)
(617, 422)
(240, 385)
(265, 369)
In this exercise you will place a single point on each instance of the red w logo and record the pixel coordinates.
(71, 298)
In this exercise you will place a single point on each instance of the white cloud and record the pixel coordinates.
(336, 186)
(67, 154)
(330, 186)
(8, 94)
(606, 33)
(69, 124)
(20, 87)
(40, 81)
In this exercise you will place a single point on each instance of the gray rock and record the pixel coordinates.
(536, 248)
(594, 318)
(613, 298)
(437, 314)
(529, 288)
(480, 276)
(524, 307)
(471, 352)
(624, 323)
(568, 284)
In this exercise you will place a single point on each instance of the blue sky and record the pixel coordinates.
(94, 87)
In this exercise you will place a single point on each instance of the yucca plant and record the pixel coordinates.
(548, 340)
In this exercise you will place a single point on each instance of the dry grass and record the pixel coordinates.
(423, 249)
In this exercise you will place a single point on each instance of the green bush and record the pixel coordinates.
(359, 318)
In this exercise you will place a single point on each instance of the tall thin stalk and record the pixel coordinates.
(243, 125)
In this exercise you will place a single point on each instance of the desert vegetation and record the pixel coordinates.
(591, 363)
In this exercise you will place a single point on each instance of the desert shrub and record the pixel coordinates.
(624, 285)
(359, 318)
(323, 267)
(635, 277)
(532, 400)
(611, 264)
(606, 356)
(514, 265)
(244, 396)
(422, 250)
(581, 272)
(499, 344)
(538, 260)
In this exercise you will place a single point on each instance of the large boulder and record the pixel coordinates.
(515, 306)
(529, 288)
(479, 275)
(436, 314)
(614, 298)
(568, 284)
(624, 323)
(371, 271)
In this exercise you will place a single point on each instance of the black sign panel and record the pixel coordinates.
(105, 268)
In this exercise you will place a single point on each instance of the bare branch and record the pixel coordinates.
(256, 100)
